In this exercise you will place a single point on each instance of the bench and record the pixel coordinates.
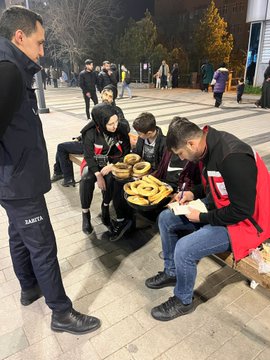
(246, 267)
(76, 158)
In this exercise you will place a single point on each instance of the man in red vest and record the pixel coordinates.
(236, 190)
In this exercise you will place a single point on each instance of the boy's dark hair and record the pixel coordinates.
(18, 18)
(223, 65)
(241, 79)
(88, 62)
(180, 131)
(145, 122)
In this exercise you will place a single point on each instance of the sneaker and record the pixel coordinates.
(74, 322)
(160, 281)
(119, 228)
(171, 309)
(105, 215)
(86, 223)
(57, 177)
(31, 295)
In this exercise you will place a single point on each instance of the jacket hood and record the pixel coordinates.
(90, 125)
(222, 69)
(113, 89)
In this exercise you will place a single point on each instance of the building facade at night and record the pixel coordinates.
(258, 16)
(189, 12)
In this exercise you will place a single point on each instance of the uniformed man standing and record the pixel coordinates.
(24, 172)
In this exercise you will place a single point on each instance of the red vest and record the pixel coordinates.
(247, 234)
(98, 151)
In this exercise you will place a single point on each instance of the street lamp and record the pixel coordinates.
(39, 91)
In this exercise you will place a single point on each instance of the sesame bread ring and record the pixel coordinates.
(132, 159)
(162, 196)
(122, 170)
(141, 168)
(156, 196)
(155, 180)
(138, 200)
(128, 190)
(134, 186)
(148, 180)
(146, 189)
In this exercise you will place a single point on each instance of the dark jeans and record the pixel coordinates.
(33, 250)
(62, 163)
(93, 96)
(55, 83)
(163, 81)
(218, 97)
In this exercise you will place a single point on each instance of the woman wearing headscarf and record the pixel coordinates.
(105, 142)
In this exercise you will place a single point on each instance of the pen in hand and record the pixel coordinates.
(182, 191)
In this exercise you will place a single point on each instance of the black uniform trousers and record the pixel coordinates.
(33, 250)
(93, 96)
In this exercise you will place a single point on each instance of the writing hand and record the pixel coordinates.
(186, 198)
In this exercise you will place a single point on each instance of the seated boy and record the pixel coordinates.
(151, 142)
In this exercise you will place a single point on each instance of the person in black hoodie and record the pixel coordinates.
(151, 142)
(105, 142)
(88, 82)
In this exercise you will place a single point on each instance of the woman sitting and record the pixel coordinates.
(105, 142)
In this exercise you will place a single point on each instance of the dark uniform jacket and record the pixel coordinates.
(24, 168)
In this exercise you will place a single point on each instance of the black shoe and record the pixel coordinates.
(105, 215)
(57, 177)
(160, 280)
(86, 224)
(31, 295)
(74, 322)
(171, 309)
(67, 183)
(119, 228)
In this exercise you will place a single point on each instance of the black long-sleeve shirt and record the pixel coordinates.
(11, 90)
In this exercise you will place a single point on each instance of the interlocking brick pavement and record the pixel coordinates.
(107, 279)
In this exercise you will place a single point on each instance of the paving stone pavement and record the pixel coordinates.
(105, 279)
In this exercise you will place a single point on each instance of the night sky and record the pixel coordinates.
(137, 8)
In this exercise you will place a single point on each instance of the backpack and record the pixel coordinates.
(127, 77)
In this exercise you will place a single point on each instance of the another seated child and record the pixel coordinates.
(151, 142)
(240, 89)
